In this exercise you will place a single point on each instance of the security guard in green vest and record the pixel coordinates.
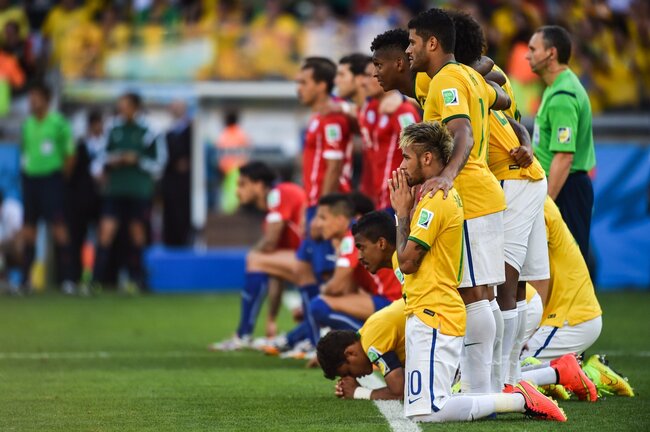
(135, 156)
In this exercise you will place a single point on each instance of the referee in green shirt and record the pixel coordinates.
(563, 137)
(134, 158)
(47, 152)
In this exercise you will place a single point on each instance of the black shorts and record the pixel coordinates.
(127, 209)
(43, 198)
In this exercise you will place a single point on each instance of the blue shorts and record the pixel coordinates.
(380, 302)
(319, 253)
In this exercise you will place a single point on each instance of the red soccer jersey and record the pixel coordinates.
(367, 122)
(286, 203)
(383, 283)
(327, 138)
(387, 156)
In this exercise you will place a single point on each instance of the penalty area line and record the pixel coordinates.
(392, 410)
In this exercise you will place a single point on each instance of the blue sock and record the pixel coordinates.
(325, 316)
(300, 332)
(308, 292)
(252, 297)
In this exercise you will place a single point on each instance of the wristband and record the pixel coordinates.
(396, 220)
(362, 393)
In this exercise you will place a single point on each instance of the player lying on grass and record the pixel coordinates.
(571, 320)
(274, 255)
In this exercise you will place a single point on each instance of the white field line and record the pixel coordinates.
(392, 410)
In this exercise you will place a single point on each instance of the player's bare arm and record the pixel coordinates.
(461, 130)
(523, 155)
(503, 101)
(333, 172)
(559, 172)
(394, 390)
(269, 241)
(341, 283)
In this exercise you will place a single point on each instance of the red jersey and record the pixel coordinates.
(327, 138)
(387, 156)
(384, 283)
(367, 122)
(286, 203)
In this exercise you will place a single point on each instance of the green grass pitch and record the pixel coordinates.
(113, 363)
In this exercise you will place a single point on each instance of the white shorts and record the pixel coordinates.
(533, 316)
(524, 232)
(549, 343)
(483, 252)
(432, 359)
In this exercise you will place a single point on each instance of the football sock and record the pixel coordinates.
(476, 360)
(497, 374)
(28, 259)
(510, 327)
(307, 293)
(541, 377)
(325, 316)
(252, 296)
(101, 263)
(513, 374)
(474, 407)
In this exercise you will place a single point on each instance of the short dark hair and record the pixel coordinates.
(435, 22)
(94, 116)
(339, 204)
(559, 38)
(331, 350)
(258, 172)
(42, 89)
(361, 203)
(323, 70)
(357, 62)
(470, 39)
(374, 225)
(397, 39)
(231, 117)
(134, 98)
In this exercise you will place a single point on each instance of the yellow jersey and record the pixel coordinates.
(503, 139)
(571, 295)
(431, 293)
(530, 292)
(383, 337)
(422, 81)
(458, 91)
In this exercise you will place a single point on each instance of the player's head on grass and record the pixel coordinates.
(431, 37)
(333, 215)
(315, 80)
(128, 105)
(548, 48)
(375, 237)
(390, 60)
(255, 181)
(341, 354)
(470, 39)
(426, 149)
(350, 74)
(40, 95)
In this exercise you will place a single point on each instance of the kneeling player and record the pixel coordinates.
(274, 255)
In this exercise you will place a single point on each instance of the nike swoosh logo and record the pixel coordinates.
(475, 343)
(415, 400)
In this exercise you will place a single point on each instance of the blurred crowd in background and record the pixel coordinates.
(254, 39)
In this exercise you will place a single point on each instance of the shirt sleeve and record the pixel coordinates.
(424, 225)
(405, 115)
(447, 100)
(335, 135)
(279, 205)
(378, 342)
(348, 256)
(563, 119)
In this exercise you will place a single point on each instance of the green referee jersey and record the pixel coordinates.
(135, 181)
(46, 144)
(563, 124)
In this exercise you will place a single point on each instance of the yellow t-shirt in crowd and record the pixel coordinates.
(383, 337)
(458, 91)
(58, 24)
(571, 295)
(431, 293)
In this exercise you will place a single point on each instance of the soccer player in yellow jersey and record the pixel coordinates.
(524, 184)
(460, 98)
(382, 341)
